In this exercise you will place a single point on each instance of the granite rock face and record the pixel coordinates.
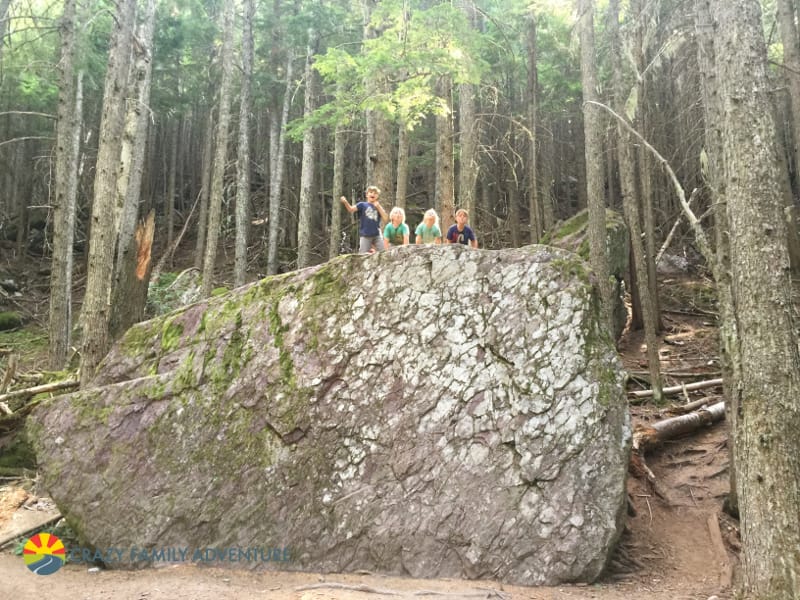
(434, 411)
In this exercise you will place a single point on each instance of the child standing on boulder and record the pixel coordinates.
(396, 231)
(461, 233)
(370, 215)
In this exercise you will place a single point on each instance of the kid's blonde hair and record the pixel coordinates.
(398, 211)
(431, 213)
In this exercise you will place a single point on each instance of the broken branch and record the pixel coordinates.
(698, 385)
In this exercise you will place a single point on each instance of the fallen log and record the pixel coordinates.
(648, 437)
(40, 389)
(676, 389)
(645, 438)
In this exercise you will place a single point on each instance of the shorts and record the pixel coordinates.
(365, 244)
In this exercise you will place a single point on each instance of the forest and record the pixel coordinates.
(132, 131)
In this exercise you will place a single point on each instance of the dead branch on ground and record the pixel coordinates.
(677, 389)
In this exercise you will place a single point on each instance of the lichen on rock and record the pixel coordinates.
(435, 411)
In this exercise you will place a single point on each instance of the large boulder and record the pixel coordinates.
(436, 411)
(573, 234)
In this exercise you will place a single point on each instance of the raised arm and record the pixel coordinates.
(384, 215)
(350, 208)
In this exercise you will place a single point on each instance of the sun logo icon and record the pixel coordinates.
(44, 554)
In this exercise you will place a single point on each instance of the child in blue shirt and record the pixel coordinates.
(461, 233)
(370, 215)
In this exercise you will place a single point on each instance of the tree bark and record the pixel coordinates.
(4, 4)
(277, 171)
(445, 182)
(630, 203)
(787, 15)
(207, 163)
(402, 166)
(103, 237)
(304, 218)
(220, 153)
(534, 206)
(468, 166)
(766, 444)
(594, 159)
(243, 154)
(172, 175)
(379, 132)
(66, 187)
(335, 241)
(715, 184)
(129, 292)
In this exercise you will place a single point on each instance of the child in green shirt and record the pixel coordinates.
(396, 231)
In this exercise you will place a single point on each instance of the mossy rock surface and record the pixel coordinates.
(10, 320)
(436, 411)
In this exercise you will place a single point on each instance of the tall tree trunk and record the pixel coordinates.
(304, 217)
(66, 187)
(445, 200)
(172, 175)
(630, 203)
(402, 165)
(468, 166)
(640, 12)
(593, 134)
(103, 237)
(335, 240)
(4, 4)
(766, 444)
(715, 185)
(243, 154)
(787, 15)
(220, 153)
(205, 191)
(534, 206)
(129, 292)
(547, 179)
(277, 171)
(379, 129)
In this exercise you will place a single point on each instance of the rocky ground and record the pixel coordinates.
(677, 543)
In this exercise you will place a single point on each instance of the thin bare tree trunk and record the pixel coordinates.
(103, 237)
(220, 154)
(402, 165)
(787, 16)
(277, 170)
(594, 160)
(630, 203)
(243, 155)
(379, 129)
(534, 206)
(445, 197)
(70, 101)
(304, 217)
(468, 166)
(205, 191)
(4, 4)
(339, 140)
(169, 200)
